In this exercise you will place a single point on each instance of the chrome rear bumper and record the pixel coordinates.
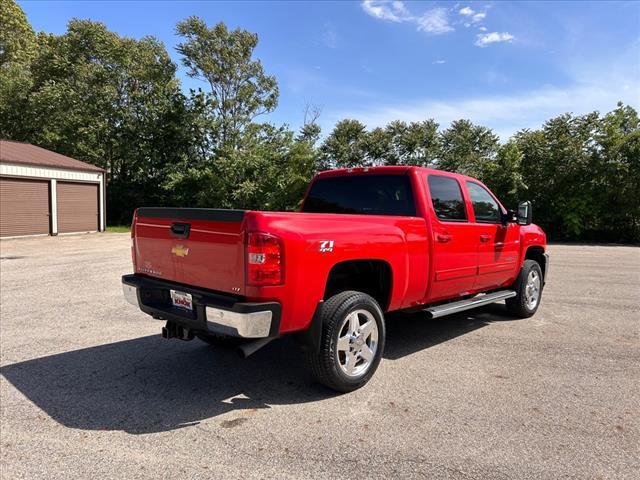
(247, 325)
(212, 312)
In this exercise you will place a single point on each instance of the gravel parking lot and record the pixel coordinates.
(89, 389)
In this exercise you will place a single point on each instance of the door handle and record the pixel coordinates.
(443, 238)
(485, 237)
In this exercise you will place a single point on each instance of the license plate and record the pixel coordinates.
(181, 300)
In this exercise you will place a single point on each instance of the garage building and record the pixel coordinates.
(45, 193)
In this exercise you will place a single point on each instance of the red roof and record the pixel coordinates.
(389, 169)
(27, 154)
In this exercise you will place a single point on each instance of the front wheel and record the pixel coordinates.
(353, 336)
(528, 287)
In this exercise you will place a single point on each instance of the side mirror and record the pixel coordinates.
(525, 213)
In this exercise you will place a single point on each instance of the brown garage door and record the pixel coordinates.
(77, 207)
(24, 207)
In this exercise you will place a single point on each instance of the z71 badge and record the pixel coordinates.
(326, 246)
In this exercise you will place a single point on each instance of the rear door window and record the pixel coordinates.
(485, 207)
(446, 196)
(362, 194)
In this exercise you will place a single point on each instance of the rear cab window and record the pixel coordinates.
(446, 198)
(363, 195)
(485, 207)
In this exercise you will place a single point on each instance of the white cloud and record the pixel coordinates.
(472, 15)
(482, 29)
(484, 39)
(386, 10)
(439, 62)
(434, 21)
(399, 7)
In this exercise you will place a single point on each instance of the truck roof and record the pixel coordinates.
(390, 170)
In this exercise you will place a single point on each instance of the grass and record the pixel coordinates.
(119, 228)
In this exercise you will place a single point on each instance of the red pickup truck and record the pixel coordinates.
(367, 241)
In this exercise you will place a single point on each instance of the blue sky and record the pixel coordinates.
(507, 65)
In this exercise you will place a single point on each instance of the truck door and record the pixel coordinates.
(499, 245)
(455, 247)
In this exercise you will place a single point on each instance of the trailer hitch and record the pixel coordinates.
(173, 330)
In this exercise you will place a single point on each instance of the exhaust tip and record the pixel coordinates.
(249, 348)
(241, 353)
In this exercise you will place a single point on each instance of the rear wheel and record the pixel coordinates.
(353, 336)
(528, 287)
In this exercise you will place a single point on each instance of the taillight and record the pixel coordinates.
(265, 264)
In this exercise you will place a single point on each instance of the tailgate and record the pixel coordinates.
(202, 247)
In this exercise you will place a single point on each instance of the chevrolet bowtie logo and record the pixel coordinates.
(180, 250)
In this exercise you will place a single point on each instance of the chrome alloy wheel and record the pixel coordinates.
(357, 343)
(532, 290)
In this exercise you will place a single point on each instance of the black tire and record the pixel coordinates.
(324, 365)
(518, 305)
(219, 340)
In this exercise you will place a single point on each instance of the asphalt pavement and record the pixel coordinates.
(89, 389)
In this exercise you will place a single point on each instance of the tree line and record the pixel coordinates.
(116, 102)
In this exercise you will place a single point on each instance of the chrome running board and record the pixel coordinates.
(462, 305)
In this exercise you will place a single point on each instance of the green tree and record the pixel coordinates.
(240, 163)
(398, 143)
(416, 143)
(17, 48)
(345, 146)
(504, 175)
(582, 175)
(467, 148)
(616, 171)
(310, 130)
(239, 90)
(17, 38)
(378, 148)
(269, 170)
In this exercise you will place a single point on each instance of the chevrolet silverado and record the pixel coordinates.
(366, 242)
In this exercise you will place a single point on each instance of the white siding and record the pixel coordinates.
(101, 204)
(53, 190)
(42, 172)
